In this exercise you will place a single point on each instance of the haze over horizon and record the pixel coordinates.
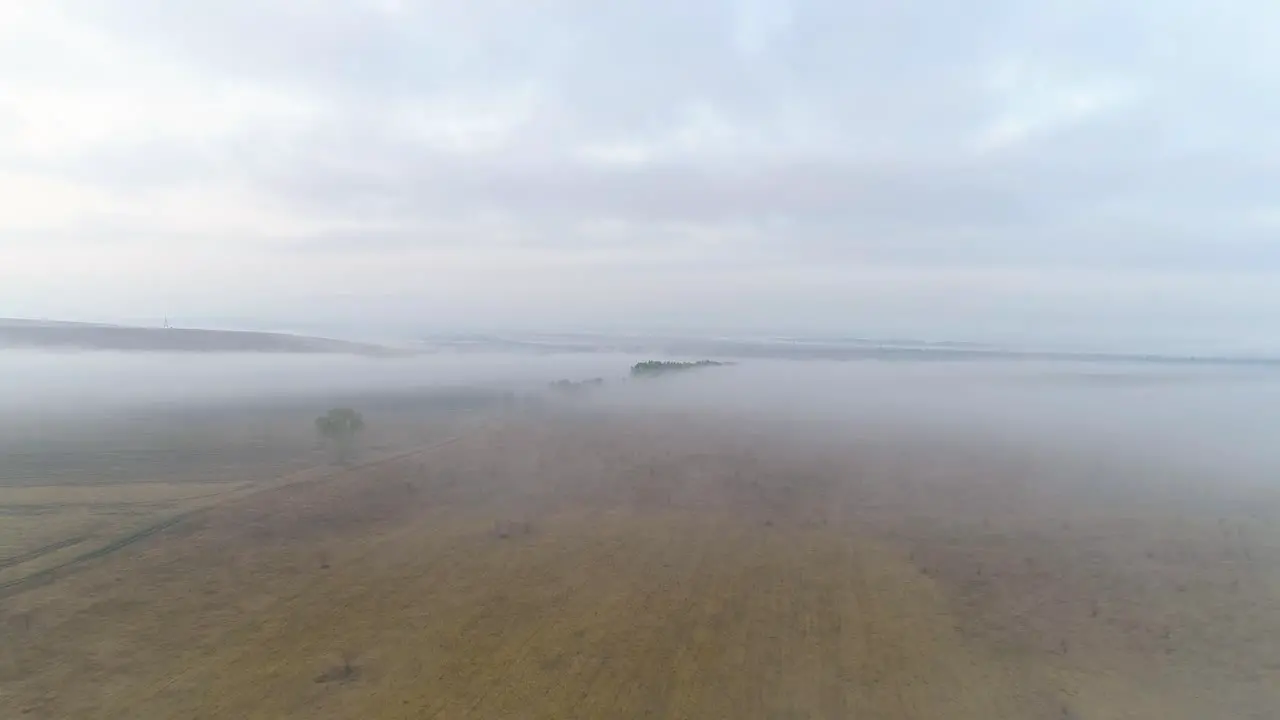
(1082, 173)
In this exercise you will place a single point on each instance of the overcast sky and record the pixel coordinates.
(1082, 171)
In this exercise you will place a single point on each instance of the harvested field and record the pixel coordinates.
(556, 565)
(71, 489)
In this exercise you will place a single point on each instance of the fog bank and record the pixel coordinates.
(1219, 423)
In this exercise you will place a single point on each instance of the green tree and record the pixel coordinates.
(339, 428)
(654, 368)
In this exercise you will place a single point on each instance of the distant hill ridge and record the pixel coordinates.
(53, 334)
(27, 323)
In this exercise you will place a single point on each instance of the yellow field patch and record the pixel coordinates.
(552, 570)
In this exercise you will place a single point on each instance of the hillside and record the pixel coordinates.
(84, 336)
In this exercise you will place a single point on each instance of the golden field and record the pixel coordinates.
(559, 564)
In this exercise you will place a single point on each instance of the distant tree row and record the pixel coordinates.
(653, 368)
(569, 387)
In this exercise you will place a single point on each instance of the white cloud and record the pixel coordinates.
(465, 123)
(37, 203)
(1034, 101)
(759, 23)
(826, 163)
(58, 123)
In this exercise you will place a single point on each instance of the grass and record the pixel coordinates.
(68, 490)
(663, 568)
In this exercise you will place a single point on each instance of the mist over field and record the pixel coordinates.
(742, 359)
(951, 534)
(1219, 419)
(1222, 420)
(70, 380)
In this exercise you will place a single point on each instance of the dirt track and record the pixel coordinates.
(60, 569)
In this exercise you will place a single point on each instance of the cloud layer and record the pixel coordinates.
(1084, 171)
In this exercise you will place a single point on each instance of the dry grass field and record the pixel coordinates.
(71, 489)
(610, 565)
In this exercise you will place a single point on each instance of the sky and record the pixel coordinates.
(1095, 173)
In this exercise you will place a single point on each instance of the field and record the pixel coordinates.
(561, 562)
(71, 489)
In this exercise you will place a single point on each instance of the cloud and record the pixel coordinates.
(772, 162)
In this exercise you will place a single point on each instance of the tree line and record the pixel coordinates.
(653, 368)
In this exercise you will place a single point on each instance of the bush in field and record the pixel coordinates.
(339, 428)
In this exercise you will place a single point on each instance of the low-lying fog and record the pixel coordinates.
(1224, 420)
(1218, 425)
(110, 377)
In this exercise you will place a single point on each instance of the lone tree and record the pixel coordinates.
(339, 429)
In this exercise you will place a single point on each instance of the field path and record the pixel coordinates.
(206, 503)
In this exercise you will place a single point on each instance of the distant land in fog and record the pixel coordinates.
(18, 333)
(803, 348)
